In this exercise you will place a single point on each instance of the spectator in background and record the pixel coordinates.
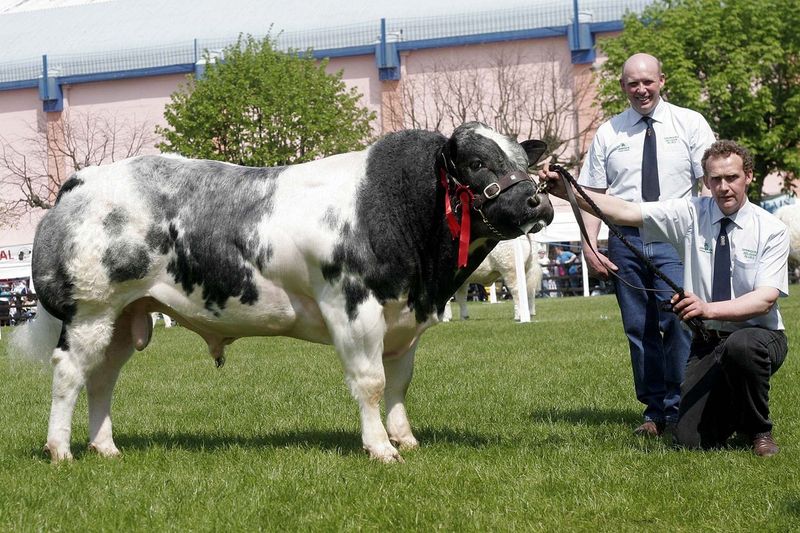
(20, 288)
(567, 266)
(548, 284)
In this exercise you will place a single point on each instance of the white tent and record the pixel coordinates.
(21, 269)
(564, 228)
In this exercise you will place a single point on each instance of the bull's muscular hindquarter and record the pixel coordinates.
(353, 250)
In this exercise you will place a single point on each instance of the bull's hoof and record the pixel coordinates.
(57, 453)
(386, 454)
(220, 361)
(406, 443)
(104, 450)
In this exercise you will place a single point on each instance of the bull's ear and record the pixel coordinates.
(535, 150)
(448, 156)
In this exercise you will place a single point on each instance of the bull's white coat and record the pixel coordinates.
(128, 210)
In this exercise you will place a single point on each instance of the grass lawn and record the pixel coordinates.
(522, 427)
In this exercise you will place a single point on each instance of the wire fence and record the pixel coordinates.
(545, 14)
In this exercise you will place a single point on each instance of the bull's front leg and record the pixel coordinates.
(359, 341)
(399, 371)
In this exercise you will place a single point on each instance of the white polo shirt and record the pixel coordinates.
(614, 161)
(759, 250)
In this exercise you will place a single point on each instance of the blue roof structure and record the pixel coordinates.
(47, 43)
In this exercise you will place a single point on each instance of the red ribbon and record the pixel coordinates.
(458, 230)
(465, 195)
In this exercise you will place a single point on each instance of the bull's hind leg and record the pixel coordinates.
(132, 329)
(359, 342)
(398, 377)
(79, 349)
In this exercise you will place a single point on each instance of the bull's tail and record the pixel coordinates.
(36, 339)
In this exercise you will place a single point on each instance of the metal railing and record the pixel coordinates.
(545, 14)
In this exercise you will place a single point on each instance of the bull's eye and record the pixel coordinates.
(476, 165)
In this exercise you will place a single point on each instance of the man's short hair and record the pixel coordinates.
(724, 148)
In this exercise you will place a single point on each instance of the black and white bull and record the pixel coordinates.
(353, 250)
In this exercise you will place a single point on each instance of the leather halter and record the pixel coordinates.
(493, 190)
(467, 199)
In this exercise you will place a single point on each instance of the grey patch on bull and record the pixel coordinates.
(264, 256)
(115, 221)
(158, 239)
(331, 218)
(126, 261)
(217, 208)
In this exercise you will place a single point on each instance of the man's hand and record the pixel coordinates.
(598, 263)
(690, 306)
(555, 185)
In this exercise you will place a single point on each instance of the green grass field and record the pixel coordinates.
(523, 427)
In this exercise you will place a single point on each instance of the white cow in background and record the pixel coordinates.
(500, 264)
(790, 215)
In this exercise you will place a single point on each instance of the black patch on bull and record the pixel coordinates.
(205, 215)
(67, 186)
(392, 245)
(53, 246)
(355, 293)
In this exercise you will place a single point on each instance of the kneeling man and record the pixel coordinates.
(735, 259)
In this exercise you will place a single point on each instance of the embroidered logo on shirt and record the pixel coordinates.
(672, 139)
(622, 147)
(706, 248)
(748, 254)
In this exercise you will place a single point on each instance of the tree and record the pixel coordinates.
(509, 93)
(735, 61)
(36, 165)
(262, 107)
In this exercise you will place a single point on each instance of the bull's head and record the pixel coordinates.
(493, 169)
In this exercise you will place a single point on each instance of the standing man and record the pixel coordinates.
(736, 257)
(567, 267)
(649, 152)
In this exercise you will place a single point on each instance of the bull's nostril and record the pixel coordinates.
(534, 201)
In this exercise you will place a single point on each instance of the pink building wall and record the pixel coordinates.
(142, 100)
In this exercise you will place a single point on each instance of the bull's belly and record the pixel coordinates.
(277, 312)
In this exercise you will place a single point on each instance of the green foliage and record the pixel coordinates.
(737, 62)
(263, 107)
(523, 427)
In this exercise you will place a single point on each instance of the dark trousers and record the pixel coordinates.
(726, 388)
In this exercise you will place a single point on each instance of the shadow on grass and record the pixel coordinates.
(595, 417)
(344, 442)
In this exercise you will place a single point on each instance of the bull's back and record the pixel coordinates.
(200, 226)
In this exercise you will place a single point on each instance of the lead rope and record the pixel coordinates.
(697, 326)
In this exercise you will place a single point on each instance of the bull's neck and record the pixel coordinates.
(455, 277)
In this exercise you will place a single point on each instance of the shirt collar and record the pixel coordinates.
(659, 113)
(738, 218)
